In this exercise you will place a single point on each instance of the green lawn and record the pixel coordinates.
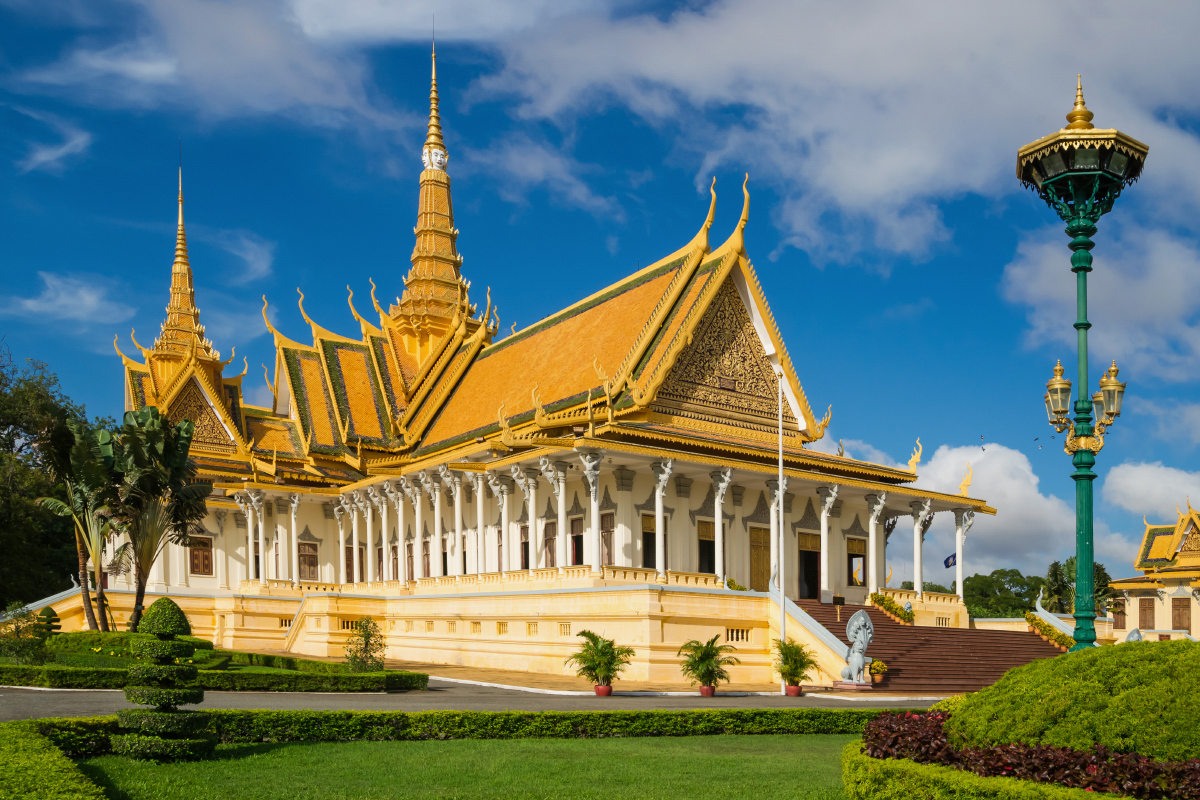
(683, 768)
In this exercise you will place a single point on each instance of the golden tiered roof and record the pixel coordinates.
(682, 358)
(1168, 553)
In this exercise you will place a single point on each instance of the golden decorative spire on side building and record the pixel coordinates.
(434, 290)
(182, 329)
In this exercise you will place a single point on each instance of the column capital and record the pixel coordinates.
(964, 518)
(525, 478)
(294, 500)
(875, 505)
(662, 474)
(828, 495)
(773, 486)
(920, 510)
(339, 514)
(721, 480)
(591, 471)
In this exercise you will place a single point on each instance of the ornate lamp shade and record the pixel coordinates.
(1058, 395)
(1112, 391)
(1107, 160)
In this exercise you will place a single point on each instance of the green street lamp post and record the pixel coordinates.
(1080, 172)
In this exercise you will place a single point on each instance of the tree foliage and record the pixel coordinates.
(1003, 593)
(600, 660)
(365, 648)
(705, 662)
(39, 547)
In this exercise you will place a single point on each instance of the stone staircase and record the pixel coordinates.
(936, 660)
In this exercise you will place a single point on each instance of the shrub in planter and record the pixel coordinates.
(164, 733)
(793, 662)
(600, 660)
(889, 605)
(878, 670)
(705, 663)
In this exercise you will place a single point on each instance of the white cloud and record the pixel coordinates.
(1143, 296)
(381, 20)
(78, 298)
(256, 253)
(51, 157)
(908, 311)
(853, 448)
(1175, 420)
(1150, 489)
(524, 164)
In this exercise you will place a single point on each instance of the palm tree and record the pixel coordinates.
(793, 662)
(84, 471)
(705, 662)
(1060, 595)
(600, 660)
(158, 499)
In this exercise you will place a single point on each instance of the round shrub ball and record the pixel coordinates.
(152, 748)
(163, 697)
(165, 618)
(161, 674)
(169, 649)
(164, 723)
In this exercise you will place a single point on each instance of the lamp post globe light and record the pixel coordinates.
(1080, 171)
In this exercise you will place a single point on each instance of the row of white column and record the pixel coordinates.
(252, 504)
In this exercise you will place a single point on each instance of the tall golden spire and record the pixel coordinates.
(434, 291)
(182, 327)
(1079, 118)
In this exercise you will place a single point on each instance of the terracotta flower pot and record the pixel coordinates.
(793, 691)
(603, 691)
(708, 691)
(877, 678)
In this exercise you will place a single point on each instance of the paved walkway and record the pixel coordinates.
(33, 703)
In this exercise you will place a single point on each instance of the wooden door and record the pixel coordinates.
(308, 562)
(760, 559)
(1181, 614)
(1146, 613)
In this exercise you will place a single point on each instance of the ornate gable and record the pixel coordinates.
(192, 404)
(724, 374)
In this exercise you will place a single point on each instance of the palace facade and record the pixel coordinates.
(613, 467)
(1161, 602)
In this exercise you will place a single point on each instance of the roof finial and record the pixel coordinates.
(433, 138)
(1079, 117)
(181, 254)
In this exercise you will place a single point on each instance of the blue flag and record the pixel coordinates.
(952, 560)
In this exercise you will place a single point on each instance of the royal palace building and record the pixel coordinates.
(615, 466)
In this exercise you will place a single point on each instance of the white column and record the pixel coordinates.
(662, 474)
(506, 527)
(773, 494)
(256, 536)
(721, 480)
(528, 481)
(591, 471)
(920, 513)
(480, 562)
(875, 506)
(357, 507)
(964, 518)
(435, 547)
(558, 482)
(294, 561)
(779, 537)
(828, 495)
(382, 499)
(375, 502)
(339, 513)
(219, 556)
(419, 525)
(397, 493)
(460, 543)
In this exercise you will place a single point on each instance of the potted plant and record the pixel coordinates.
(600, 660)
(878, 670)
(793, 662)
(705, 662)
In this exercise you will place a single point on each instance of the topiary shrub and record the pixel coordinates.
(1137, 697)
(48, 623)
(164, 733)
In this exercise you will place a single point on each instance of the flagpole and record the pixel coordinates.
(779, 510)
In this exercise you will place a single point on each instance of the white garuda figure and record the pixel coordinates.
(434, 158)
(860, 632)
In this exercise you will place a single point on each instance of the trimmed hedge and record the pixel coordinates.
(285, 662)
(116, 643)
(86, 737)
(156, 748)
(34, 768)
(1137, 697)
(867, 778)
(71, 678)
(885, 603)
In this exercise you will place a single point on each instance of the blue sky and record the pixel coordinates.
(922, 293)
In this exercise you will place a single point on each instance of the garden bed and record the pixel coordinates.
(276, 680)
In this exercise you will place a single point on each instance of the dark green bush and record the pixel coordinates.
(867, 778)
(92, 660)
(164, 697)
(34, 769)
(1137, 697)
(165, 618)
(157, 748)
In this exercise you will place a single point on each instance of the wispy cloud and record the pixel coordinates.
(1150, 488)
(525, 164)
(52, 157)
(75, 297)
(256, 253)
(908, 311)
